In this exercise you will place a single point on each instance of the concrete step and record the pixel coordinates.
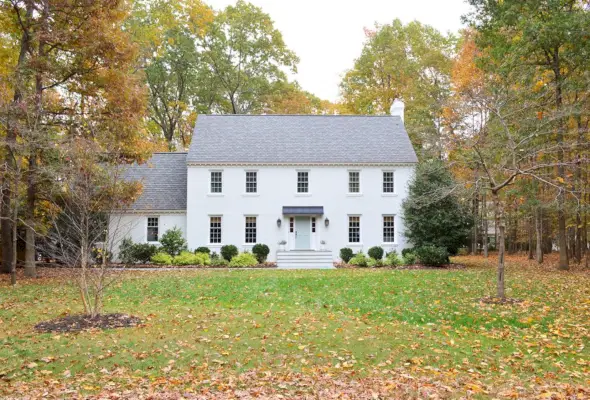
(305, 259)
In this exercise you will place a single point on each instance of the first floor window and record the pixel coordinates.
(388, 229)
(388, 186)
(251, 182)
(152, 229)
(302, 182)
(250, 229)
(354, 182)
(215, 230)
(354, 229)
(216, 182)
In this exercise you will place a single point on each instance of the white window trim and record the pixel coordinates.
(360, 242)
(147, 226)
(348, 192)
(303, 194)
(209, 216)
(251, 194)
(388, 194)
(216, 194)
(245, 245)
(383, 242)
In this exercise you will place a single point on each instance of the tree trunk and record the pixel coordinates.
(485, 225)
(501, 293)
(531, 234)
(30, 251)
(539, 228)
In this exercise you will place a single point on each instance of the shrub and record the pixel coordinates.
(432, 255)
(243, 260)
(376, 253)
(126, 251)
(203, 249)
(371, 262)
(229, 251)
(360, 260)
(162, 259)
(188, 258)
(143, 252)
(261, 252)
(97, 253)
(392, 259)
(406, 251)
(219, 262)
(463, 251)
(346, 254)
(172, 241)
(409, 259)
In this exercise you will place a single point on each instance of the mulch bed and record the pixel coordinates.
(156, 266)
(77, 323)
(501, 301)
(405, 267)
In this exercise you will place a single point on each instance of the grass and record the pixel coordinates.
(362, 322)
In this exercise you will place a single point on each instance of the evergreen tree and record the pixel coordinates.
(433, 214)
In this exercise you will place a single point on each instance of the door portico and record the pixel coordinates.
(303, 232)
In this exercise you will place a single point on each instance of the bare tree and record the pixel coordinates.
(83, 228)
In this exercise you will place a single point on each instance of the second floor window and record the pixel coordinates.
(354, 182)
(388, 186)
(215, 230)
(302, 182)
(250, 229)
(251, 182)
(216, 182)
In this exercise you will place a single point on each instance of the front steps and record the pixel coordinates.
(305, 259)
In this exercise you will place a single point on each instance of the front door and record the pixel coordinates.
(302, 233)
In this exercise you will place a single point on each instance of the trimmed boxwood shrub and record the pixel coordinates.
(261, 252)
(172, 242)
(360, 260)
(162, 259)
(376, 253)
(432, 255)
(229, 251)
(244, 260)
(409, 259)
(203, 249)
(133, 253)
(346, 254)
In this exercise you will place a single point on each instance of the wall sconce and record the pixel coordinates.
(279, 222)
(327, 222)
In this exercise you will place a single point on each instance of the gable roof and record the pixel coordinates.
(164, 182)
(300, 139)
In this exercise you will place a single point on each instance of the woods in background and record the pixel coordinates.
(504, 107)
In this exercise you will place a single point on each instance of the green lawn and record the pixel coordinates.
(366, 322)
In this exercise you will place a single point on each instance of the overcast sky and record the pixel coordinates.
(327, 35)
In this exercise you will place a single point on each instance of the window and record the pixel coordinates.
(152, 229)
(388, 186)
(354, 229)
(291, 224)
(313, 225)
(251, 182)
(250, 229)
(215, 230)
(216, 182)
(354, 182)
(388, 229)
(302, 182)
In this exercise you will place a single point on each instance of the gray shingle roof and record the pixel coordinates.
(300, 139)
(164, 182)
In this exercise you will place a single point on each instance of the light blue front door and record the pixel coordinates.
(302, 232)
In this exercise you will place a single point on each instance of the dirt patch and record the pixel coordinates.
(76, 323)
(499, 300)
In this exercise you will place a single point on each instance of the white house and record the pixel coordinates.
(305, 185)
